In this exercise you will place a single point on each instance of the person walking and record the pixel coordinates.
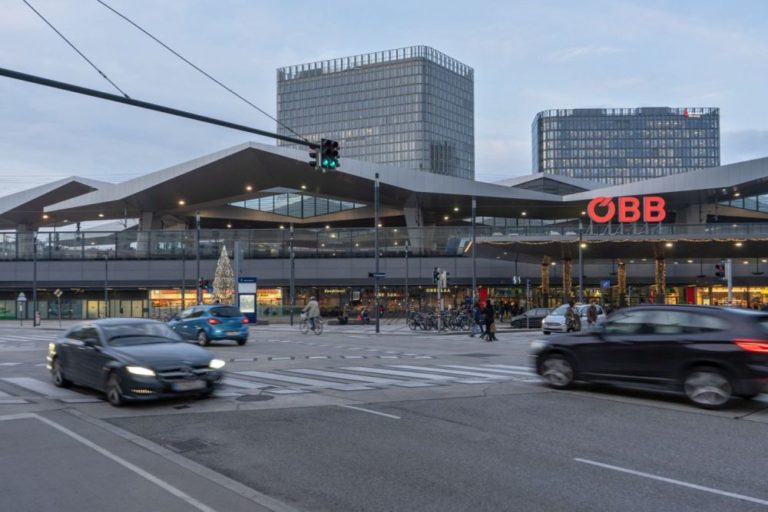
(490, 325)
(312, 310)
(592, 315)
(476, 316)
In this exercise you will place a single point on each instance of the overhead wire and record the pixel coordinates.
(76, 49)
(177, 54)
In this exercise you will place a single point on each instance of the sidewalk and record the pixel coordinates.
(398, 327)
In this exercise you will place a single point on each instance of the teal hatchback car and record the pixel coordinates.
(211, 323)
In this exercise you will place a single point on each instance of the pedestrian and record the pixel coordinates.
(490, 325)
(592, 315)
(476, 317)
(572, 320)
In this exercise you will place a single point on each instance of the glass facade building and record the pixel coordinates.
(622, 145)
(411, 107)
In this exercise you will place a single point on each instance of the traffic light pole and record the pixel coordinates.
(197, 257)
(376, 248)
(474, 260)
(292, 298)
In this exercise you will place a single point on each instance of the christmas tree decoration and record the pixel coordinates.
(224, 279)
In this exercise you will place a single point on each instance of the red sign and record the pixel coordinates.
(603, 209)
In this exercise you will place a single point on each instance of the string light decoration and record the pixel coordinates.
(661, 277)
(621, 276)
(567, 278)
(545, 276)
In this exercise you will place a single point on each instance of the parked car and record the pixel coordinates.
(211, 322)
(531, 318)
(710, 354)
(132, 359)
(555, 321)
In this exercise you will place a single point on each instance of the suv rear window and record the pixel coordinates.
(226, 312)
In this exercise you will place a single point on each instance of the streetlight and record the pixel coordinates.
(376, 249)
(581, 264)
(407, 309)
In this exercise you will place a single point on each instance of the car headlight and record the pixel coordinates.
(51, 348)
(216, 364)
(140, 370)
(537, 345)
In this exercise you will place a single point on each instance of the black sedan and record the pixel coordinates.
(132, 359)
(530, 319)
(709, 354)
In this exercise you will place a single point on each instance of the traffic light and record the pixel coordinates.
(720, 270)
(314, 161)
(329, 159)
(436, 275)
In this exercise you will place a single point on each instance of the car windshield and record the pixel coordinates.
(560, 310)
(226, 312)
(139, 334)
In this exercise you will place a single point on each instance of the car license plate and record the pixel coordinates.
(189, 385)
(233, 333)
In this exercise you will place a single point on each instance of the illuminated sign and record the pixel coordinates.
(604, 209)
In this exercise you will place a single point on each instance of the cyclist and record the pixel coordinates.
(312, 310)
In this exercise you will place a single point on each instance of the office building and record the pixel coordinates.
(623, 145)
(411, 107)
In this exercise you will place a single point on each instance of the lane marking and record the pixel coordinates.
(315, 383)
(675, 482)
(115, 458)
(371, 412)
(50, 391)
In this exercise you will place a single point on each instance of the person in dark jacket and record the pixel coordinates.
(490, 328)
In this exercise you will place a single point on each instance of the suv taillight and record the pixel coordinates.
(244, 320)
(213, 321)
(752, 345)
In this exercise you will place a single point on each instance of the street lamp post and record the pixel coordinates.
(34, 279)
(376, 248)
(106, 284)
(474, 260)
(197, 257)
(292, 290)
(407, 297)
(581, 265)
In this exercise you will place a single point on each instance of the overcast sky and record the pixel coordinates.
(528, 56)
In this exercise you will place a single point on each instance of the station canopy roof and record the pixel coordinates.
(216, 184)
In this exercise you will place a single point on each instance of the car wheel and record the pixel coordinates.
(202, 339)
(708, 387)
(241, 342)
(58, 375)
(557, 370)
(546, 332)
(114, 393)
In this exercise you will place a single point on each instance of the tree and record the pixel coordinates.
(224, 279)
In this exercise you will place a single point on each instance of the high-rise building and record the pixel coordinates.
(411, 107)
(621, 145)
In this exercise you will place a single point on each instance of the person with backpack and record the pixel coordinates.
(490, 325)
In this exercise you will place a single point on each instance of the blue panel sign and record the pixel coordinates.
(605, 283)
(247, 279)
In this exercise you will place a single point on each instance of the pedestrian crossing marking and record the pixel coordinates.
(453, 372)
(304, 381)
(49, 390)
(360, 378)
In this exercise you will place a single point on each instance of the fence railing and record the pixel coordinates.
(324, 243)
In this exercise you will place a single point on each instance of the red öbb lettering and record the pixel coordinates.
(603, 209)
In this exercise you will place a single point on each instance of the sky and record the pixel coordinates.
(527, 56)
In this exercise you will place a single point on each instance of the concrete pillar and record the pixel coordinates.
(567, 279)
(25, 240)
(661, 281)
(419, 237)
(545, 281)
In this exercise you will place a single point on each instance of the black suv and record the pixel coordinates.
(710, 354)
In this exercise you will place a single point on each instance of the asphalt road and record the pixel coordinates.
(351, 420)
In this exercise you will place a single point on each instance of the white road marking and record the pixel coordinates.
(510, 367)
(371, 412)
(305, 382)
(6, 399)
(49, 390)
(317, 357)
(132, 467)
(452, 372)
(675, 482)
(353, 357)
(361, 378)
(281, 358)
(9, 364)
(382, 371)
(485, 369)
(245, 384)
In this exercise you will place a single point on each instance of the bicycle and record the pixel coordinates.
(304, 325)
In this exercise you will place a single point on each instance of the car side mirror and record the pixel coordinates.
(91, 342)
